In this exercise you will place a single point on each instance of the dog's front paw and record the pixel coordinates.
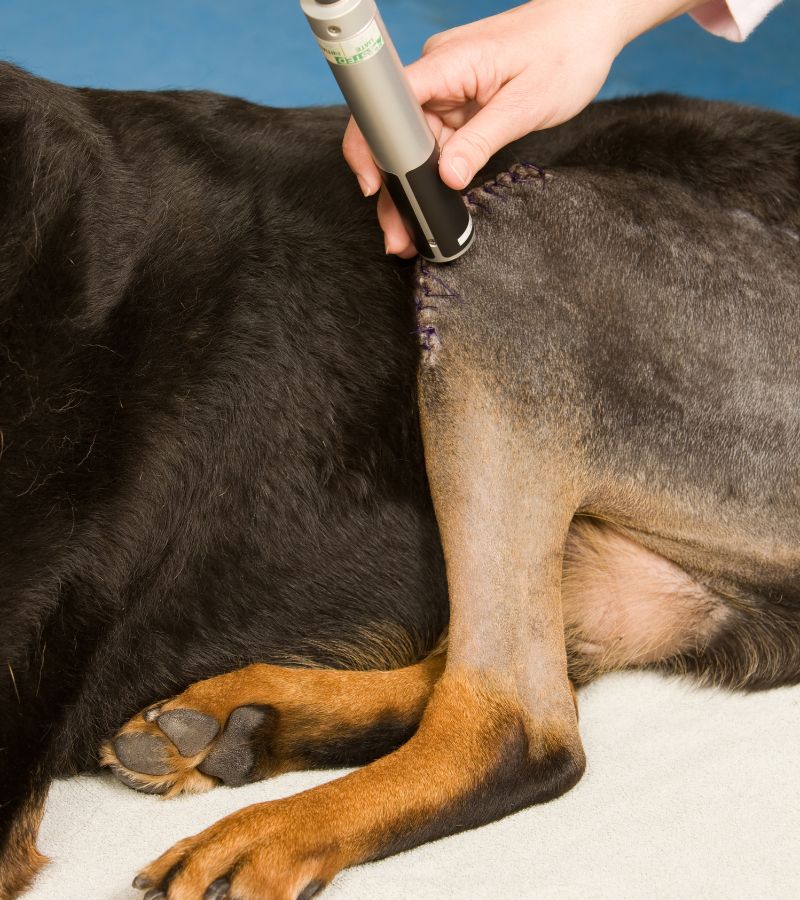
(264, 852)
(178, 746)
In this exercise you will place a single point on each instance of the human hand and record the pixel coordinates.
(488, 83)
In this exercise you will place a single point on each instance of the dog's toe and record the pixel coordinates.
(189, 730)
(142, 752)
(232, 758)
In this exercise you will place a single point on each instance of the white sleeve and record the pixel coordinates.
(734, 19)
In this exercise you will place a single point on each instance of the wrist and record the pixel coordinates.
(639, 16)
(607, 25)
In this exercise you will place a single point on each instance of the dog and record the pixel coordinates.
(216, 389)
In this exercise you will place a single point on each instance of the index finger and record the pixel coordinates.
(427, 78)
(360, 160)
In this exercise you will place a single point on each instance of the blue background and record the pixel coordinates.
(262, 49)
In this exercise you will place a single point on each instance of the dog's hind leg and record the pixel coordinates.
(500, 729)
(262, 720)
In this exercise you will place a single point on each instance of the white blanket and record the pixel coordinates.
(689, 793)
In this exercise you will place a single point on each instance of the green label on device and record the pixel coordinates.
(354, 50)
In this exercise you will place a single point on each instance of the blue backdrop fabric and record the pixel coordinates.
(262, 49)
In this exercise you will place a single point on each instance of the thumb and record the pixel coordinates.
(504, 119)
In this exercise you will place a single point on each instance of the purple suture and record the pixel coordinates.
(430, 285)
(426, 332)
(519, 172)
(538, 169)
(473, 201)
(429, 280)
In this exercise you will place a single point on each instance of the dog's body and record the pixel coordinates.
(211, 457)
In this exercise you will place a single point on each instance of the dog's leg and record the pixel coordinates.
(504, 511)
(499, 731)
(19, 858)
(263, 720)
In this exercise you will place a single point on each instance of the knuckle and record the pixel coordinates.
(348, 146)
(434, 41)
(352, 140)
(477, 142)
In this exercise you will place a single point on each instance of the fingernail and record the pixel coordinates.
(458, 166)
(386, 247)
(366, 189)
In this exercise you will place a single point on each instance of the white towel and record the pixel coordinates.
(689, 792)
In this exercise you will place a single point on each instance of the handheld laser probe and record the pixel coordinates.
(364, 62)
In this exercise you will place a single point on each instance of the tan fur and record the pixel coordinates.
(311, 704)
(619, 604)
(21, 860)
(274, 849)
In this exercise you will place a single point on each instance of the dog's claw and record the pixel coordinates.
(152, 713)
(141, 883)
(311, 890)
(189, 730)
(217, 890)
(155, 894)
(131, 781)
(141, 752)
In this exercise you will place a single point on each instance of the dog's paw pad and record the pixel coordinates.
(189, 730)
(173, 747)
(142, 752)
(232, 758)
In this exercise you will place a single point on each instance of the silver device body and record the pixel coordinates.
(369, 72)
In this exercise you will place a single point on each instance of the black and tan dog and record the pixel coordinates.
(211, 462)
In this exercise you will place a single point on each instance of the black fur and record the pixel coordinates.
(210, 448)
(519, 777)
(210, 451)
(359, 746)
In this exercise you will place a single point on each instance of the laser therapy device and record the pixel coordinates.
(364, 62)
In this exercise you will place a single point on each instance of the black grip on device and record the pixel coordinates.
(443, 208)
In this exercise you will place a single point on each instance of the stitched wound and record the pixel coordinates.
(432, 291)
(432, 286)
(483, 198)
(429, 337)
